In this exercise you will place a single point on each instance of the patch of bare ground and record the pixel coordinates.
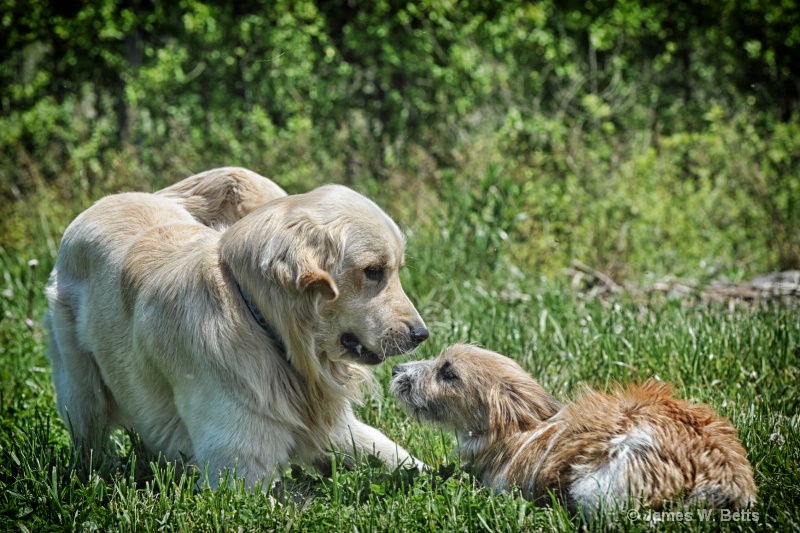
(778, 287)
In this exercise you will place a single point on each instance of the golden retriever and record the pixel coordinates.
(239, 348)
(636, 445)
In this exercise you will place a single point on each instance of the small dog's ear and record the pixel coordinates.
(503, 411)
(321, 281)
(509, 410)
(520, 405)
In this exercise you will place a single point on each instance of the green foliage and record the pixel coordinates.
(614, 122)
(678, 203)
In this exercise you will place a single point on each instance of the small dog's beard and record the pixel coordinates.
(400, 388)
(418, 405)
(427, 413)
(426, 410)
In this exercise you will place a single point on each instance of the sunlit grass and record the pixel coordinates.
(746, 364)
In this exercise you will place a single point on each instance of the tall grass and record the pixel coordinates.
(472, 283)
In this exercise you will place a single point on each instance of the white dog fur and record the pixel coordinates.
(150, 326)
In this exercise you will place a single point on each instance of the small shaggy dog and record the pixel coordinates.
(238, 348)
(636, 445)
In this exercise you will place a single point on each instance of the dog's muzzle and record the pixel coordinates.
(400, 385)
(398, 369)
(403, 377)
(357, 351)
(405, 386)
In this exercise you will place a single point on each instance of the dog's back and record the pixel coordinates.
(221, 196)
(641, 442)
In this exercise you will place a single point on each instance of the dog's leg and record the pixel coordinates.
(81, 395)
(230, 440)
(357, 438)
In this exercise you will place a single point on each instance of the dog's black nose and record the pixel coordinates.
(418, 333)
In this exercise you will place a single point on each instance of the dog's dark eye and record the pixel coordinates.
(374, 273)
(446, 372)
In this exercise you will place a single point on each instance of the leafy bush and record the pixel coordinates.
(639, 138)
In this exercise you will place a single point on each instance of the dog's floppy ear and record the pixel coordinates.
(303, 262)
(518, 406)
(507, 411)
(319, 280)
(293, 253)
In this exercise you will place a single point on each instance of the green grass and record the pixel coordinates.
(745, 363)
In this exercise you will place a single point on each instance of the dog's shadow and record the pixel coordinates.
(335, 477)
(125, 458)
(341, 479)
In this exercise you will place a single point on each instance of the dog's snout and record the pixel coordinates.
(418, 333)
(396, 370)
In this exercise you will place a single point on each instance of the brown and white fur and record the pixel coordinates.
(150, 328)
(638, 444)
